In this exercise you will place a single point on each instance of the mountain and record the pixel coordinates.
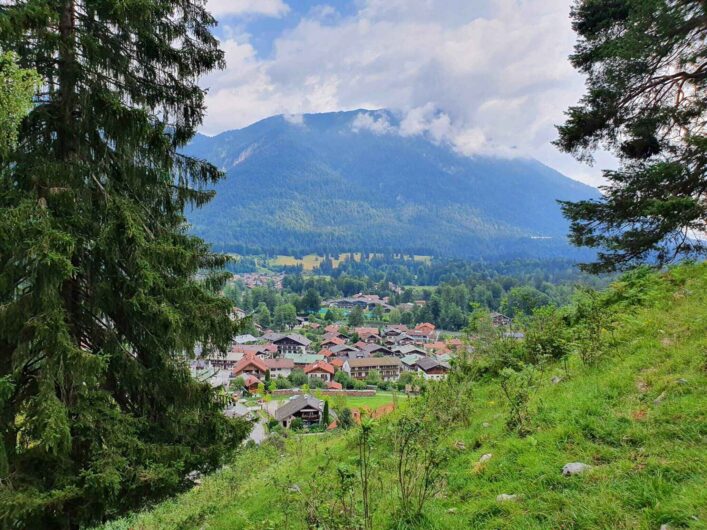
(348, 181)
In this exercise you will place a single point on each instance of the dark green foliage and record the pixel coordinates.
(103, 294)
(356, 317)
(325, 413)
(646, 62)
(330, 189)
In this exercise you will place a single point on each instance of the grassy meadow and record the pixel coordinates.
(638, 418)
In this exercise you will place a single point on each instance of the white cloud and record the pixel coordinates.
(270, 8)
(366, 121)
(489, 76)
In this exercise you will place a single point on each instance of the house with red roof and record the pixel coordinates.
(251, 383)
(321, 369)
(333, 341)
(250, 365)
(334, 385)
(337, 363)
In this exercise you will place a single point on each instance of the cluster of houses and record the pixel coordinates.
(389, 351)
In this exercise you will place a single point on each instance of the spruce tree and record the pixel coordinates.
(646, 68)
(103, 292)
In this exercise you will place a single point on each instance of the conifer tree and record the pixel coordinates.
(646, 68)
(103, 293)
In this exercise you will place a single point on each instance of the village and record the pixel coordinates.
(285, 380)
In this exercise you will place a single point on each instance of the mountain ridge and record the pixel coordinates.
(320, 182)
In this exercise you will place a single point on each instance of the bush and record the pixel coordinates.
(297, 424)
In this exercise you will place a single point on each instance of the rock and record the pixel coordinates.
(295, 489)
(665, 527)
(556, 379)
(505, 497)
(452, 510)
(460, 445)
(575, 468)
(660, 398)
(682, 381)
(485, 458)
(486, 424)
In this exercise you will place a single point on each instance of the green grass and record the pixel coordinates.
(632, 417)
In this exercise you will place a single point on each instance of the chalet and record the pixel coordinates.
(251, 383)
(332, 328)
(305, 407)
(408, 363)
(394, 330)
(432, 369)
(321, 369)
(292, 343)
(377, 350)
(264, 351)
(341, 350)
(499, 320)
(332, 341)
(326, 352)
(224, 362)
(388, 367)
(279, 367)
(250, 365)
(402, 339)
(368, 335)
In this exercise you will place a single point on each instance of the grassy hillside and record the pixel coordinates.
(638, 417)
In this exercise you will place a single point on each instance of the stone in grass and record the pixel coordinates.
(660, 398)
(665, 527)
(505, 497)
(485, 458)
(682, 381)
(486, 424)
(555, 380)
(575, 468)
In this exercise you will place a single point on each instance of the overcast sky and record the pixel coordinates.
(485, 76)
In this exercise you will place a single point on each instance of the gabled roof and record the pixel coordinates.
(372, 348)
(282, 363)
(426, 364)
(373, 362)
(250, 380)
(333, 385)
(325, 352)
(249, 361)
(296, 404)
(408, 349)
(410, 360)
(304, 358)
(334, 340)
(342, 348)
(319, 366)
(296, 337)
(337, 363)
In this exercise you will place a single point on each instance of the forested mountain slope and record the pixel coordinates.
(327, 183)
(637, 417)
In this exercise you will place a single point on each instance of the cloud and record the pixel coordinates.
(486, 77)
(270, 8)
(366, 121)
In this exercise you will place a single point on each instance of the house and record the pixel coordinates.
(368, 335)
(337, 363)
(394, 330)
(499, 320)
(279, 367)
(321, 369)
(341, 350)
(292, 343)
(250, 365)
(332, 328)
(251, 383)
(432, 369)
(326, 353)
(402, 339)
(332, 341)
(437, 347)
(224, 362)
(409, 362)
(304, 407)
(333, 385)
(377, 350)
(303, 359)
(387, 367)
(408, 349)
(245, 339)
(264, 351)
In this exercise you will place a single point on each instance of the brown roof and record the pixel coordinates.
(321, 366)
(279, 363)
(247, 361)
(337, 363)
(374, 361)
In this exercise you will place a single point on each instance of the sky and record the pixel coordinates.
(487, 77)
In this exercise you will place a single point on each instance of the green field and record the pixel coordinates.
(311, 261)
(372, 402)
(638, 417)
